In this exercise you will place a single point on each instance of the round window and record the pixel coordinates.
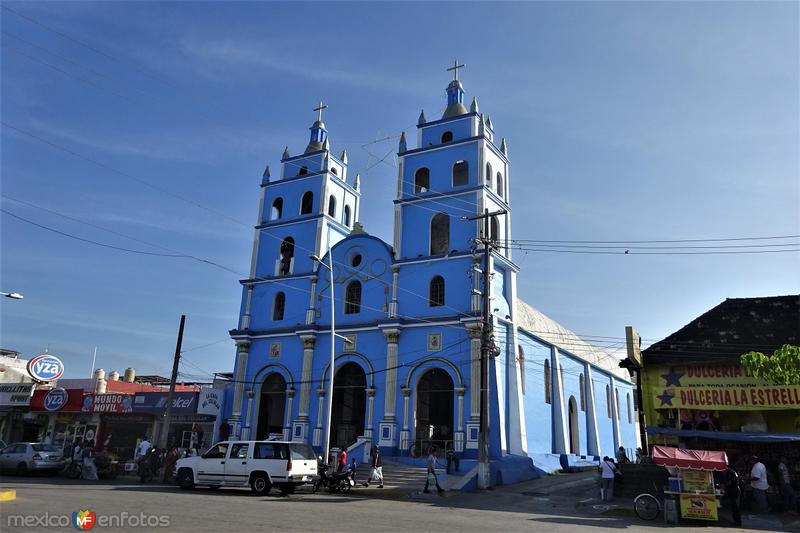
(356, 260)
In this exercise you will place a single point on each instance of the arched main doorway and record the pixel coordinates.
(349, 404)
(434, 420)
(574, 432)
(272, 406)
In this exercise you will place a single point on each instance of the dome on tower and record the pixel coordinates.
(455, 105)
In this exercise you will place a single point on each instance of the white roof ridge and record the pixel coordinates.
(540, 325)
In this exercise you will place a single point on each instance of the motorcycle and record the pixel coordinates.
(323, 477)
(342, 482)
(74, 469)
(148, 465)
(107, 465)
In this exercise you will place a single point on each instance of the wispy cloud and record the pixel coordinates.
(186, 145)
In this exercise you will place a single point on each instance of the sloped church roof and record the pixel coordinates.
(536, 323)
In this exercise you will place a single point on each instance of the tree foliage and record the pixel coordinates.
(781, 368)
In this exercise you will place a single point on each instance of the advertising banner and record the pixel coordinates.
(697, 481)
(729, 398)
(58, 399)
(156, 402)
(107, 403)
(15, 394)
(718, 387)
(209, 401)
(699, 506)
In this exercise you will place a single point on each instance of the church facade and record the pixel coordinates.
(408, 314)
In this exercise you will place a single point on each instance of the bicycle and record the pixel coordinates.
(646, 506)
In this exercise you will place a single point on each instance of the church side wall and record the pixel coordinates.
(538, 413)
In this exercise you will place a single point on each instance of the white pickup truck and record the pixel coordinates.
(260, 464)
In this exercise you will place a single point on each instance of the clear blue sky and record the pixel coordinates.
(624, 121)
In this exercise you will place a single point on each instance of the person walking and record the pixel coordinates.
(734, 496)
(377, 469)
(787, 492)
(758, 481)
(607, 472)
(169, 463)
(142, 449)
(342, 460)
(431, 473)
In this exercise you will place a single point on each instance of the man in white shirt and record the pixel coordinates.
(758, 481)
(607, 472)
(143, 448)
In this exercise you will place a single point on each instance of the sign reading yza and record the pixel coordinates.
(45, 367)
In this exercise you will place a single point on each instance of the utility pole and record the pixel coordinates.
(484, 470)
(164, 433)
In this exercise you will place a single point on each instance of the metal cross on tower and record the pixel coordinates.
(455, 68)
(319, 110)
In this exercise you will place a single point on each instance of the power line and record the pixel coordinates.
(667, 241)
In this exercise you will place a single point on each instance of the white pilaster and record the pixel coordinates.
(593, 437)
(305, 385)
(243, 349)
(560, 434)
(615, 414)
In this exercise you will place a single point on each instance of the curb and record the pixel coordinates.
(8, 495)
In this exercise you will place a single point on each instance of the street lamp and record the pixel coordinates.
(12, 295)
(327, 446)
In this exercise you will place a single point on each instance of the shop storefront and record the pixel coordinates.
(15, 399)
(187, 429)
(57, 416)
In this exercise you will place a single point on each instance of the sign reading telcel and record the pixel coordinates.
(45, 367)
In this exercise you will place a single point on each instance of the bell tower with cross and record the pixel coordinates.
(306, 208)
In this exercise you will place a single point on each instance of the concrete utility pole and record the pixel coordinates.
(164, 433)
(484, 470)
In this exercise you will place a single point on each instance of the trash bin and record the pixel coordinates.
(670, 511)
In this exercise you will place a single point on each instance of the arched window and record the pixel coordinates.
(346, 216)
(616, 398)
(500, 185)
(436, 292)
(447, 137)
(460, 173)
(332, 206)
(608, 400)
(581, 386)
(494, 228)
(547, 378)
(422, 180)
(352, 298)
(307, 203)
(277, 209)
(440, 234)
(489, 174)
(335, 171)
(303, 171)
(278, 306)
(630, 413)
(287, 254)
(521, 360)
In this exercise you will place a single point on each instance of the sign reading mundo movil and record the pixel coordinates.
(723, 387)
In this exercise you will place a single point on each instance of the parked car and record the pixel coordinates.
(260, 464)
(24, 457)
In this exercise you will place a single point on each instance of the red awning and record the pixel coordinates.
(696, 459)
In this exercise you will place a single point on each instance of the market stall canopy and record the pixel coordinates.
(696, 459)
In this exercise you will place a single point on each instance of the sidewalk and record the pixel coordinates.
(402, 481)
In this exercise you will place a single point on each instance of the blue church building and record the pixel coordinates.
(408, 314)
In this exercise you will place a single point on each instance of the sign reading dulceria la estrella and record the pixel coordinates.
(726, 387)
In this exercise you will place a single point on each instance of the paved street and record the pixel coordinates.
(526, 507)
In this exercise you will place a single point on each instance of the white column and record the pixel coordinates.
(615, 414)
(305, 385)
(287, 417)
(310, 312)
(247, 429)
(370, 407)
(405, 435)
(459, 434)
(243, 347)
(389, 399)
(245, 323)
(593, 437)
(320, 417)
(393, 304)
(559, 418)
